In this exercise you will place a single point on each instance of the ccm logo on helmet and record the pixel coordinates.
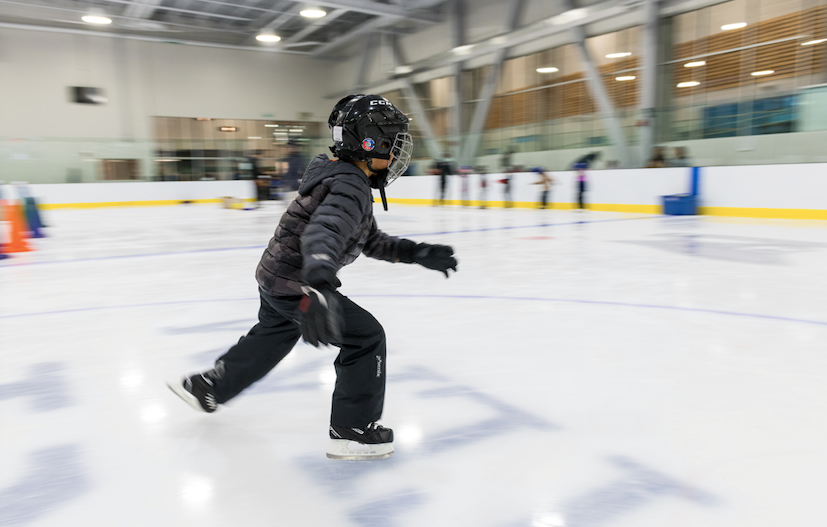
(386, 102)
(368, 144)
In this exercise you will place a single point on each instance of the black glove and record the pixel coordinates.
(320, 315)
(436, 257)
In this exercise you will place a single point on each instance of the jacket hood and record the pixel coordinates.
(322, 167)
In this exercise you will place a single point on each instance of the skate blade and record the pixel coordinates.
(344, 449)
(177, 388)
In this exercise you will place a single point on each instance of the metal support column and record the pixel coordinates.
(598, 91)
(364, 62)
(663, 88)
(472, 141)
(422, 121)
(459, 40)
(649, 81)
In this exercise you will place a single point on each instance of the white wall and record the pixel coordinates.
(143, 79)
(43, 135)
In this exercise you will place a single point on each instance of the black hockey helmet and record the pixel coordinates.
(334, 114)
(366, 127)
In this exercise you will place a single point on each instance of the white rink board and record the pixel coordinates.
(800, 186)
(638, 186)
(77, 193)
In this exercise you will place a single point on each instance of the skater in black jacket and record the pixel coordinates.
(325, 228)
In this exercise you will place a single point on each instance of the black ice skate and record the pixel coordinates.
(196, 391)
(372, 442)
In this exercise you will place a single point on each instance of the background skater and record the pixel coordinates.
(582, 187)
(444, 169)
(546, 181)
(326, 227)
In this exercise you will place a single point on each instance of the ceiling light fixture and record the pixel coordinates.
(96, 16)
(688, 84)
(267, 35)
(462, 50)
(737, 25)
(312, 12)
(816, 41)
(626, 78)
(762, 73)
(402, 70)
(695, 64)
(618, 55)
(567, 17)
(550, 69)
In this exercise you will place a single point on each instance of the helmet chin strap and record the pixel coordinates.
(380, 176)
(384, 199)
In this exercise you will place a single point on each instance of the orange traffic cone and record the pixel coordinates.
(18, 231)
(4, 234)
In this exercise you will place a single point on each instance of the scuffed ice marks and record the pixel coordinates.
(52, 477)
(741, 249)
(46, 387)
(636, 488)
(387, 512)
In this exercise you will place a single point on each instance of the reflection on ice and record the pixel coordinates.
(197, 491)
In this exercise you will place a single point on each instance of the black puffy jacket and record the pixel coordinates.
(329, 225)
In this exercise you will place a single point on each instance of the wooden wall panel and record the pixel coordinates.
(730, 70)
(566, 98)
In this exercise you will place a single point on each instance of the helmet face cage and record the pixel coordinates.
(401, 152)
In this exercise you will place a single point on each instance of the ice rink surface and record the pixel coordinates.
(581, 369)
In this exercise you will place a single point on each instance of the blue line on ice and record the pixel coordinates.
(454, 297)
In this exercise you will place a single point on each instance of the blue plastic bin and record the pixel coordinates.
(680, 204)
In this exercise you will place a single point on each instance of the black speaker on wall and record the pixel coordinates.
(86, 95)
